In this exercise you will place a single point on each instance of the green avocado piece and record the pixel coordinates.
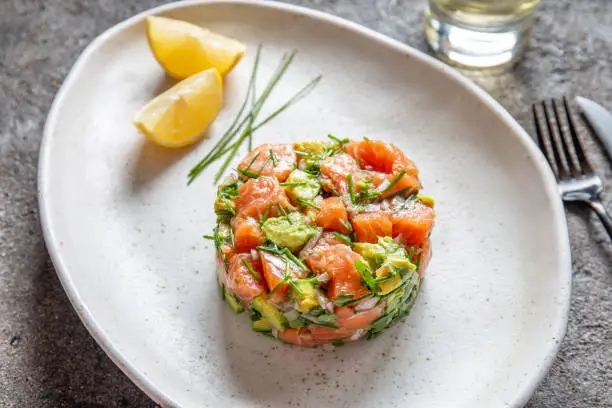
(316, 147)
(391, 247)
(290, 231)
(270, 313)
(262, 325)
(304, 293)
(234, 303)
(373, 253)
(308, 187)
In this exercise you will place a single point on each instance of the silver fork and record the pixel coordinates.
(558, 139)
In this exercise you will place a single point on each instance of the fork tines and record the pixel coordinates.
(558, 139)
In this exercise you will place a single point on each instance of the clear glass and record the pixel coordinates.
(479, 33)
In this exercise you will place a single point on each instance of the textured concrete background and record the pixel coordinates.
(47, 358)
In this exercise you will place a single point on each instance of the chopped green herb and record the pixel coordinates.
(344, 238)
(296, 184)
(337, 140)
(366, 275)
(351, 188)
(274, 158)
(295, 259)
(284, 212)
(394, 181)
(248, 174)
(265, 215)
(251, 270)
(296, 288)
(252, 161)
(328, 318)
(307, 203)
(211, 237)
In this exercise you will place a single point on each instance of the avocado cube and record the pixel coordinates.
(261, 325)
(304, 293)
(270, 313)
(290, 231)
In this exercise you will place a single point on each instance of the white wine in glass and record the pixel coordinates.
(479, 33)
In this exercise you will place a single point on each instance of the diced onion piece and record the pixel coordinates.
(357, 335)
(292, 315)
(366, 304)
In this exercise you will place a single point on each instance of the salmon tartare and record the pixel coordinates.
(323, 241)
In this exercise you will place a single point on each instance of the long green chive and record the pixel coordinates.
(284, 64)
(251, 270)
(351, 188)
(211, 237)
(265, 215)
(274, 158)
(394, 181)
(299, 95)
(307, 203)
(234, 128)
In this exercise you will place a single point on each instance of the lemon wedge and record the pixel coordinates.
(181, 115)
(184, 49)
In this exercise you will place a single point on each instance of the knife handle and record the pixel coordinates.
(603, 215)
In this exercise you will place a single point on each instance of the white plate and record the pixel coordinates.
(124, 230)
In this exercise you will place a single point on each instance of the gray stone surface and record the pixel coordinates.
(47, 358)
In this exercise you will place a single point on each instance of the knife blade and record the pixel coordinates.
(600, 120)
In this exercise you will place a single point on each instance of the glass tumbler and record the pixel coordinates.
(479, 33)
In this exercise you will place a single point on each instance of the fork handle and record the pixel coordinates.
(603, 215)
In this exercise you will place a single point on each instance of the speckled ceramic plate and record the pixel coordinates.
(124, 229)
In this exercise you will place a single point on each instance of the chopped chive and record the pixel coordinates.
(366, 275)
(411, 253)
(334, 190)
(296, 288)
(231, 234)
(265, 215)
(307, 203)
(394, 181)
(337, 140)
(343, 238)
(274, 158)
(351, 188)
(212, 238)
(296, 184)
(349, 300)
(366, 139)
(248, 174)
(284, 280)
(295, 259)
(306, 154)
(265, 163)
(251, 270)
(252, 161)
(284, 212)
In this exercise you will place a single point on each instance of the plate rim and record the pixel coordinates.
(108, 345)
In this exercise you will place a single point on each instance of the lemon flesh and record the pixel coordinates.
(181, 115)
(184, 49)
